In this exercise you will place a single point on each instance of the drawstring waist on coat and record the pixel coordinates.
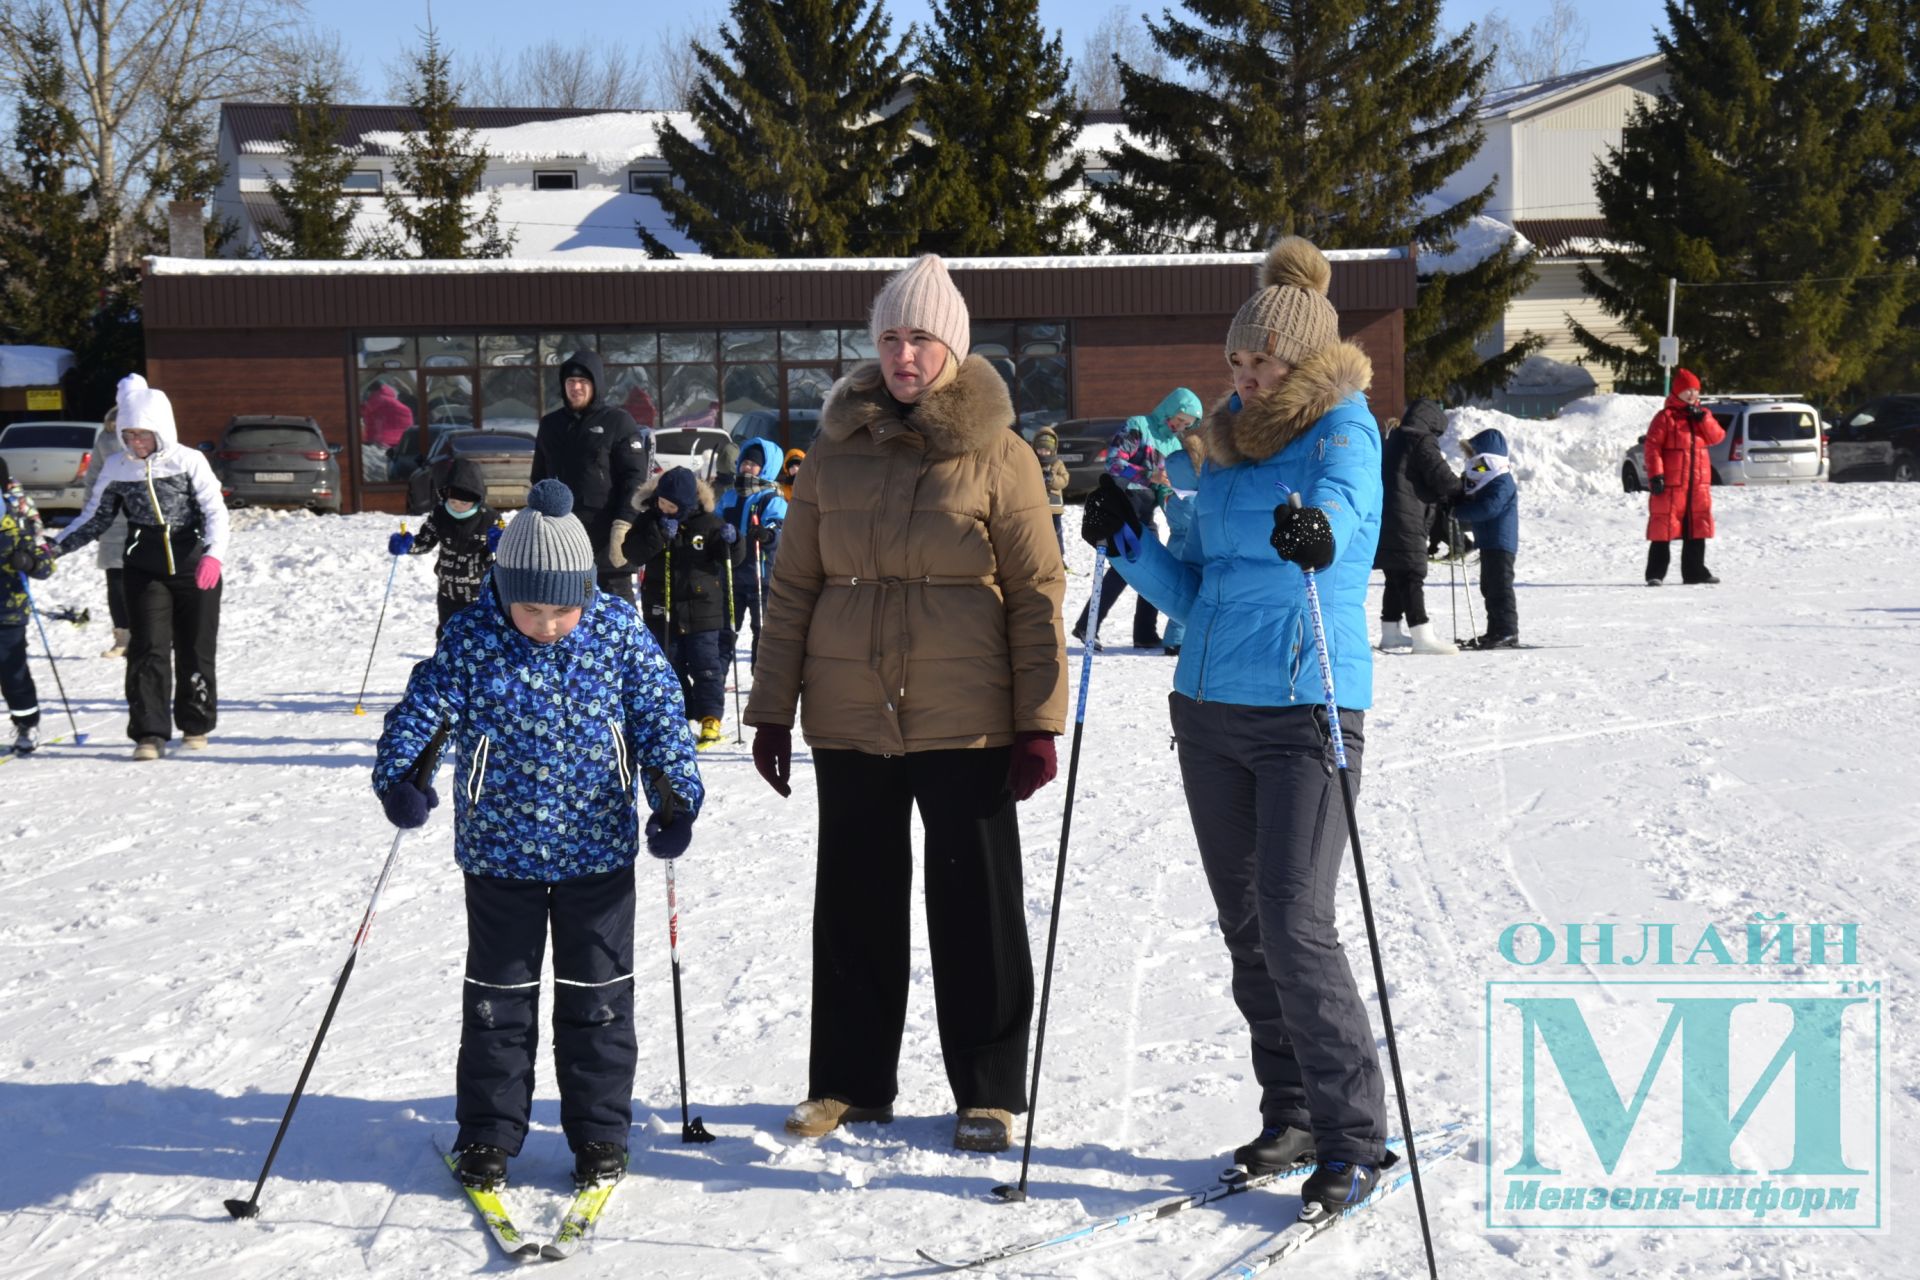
(892, 610)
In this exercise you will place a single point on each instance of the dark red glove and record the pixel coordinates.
(773, 756)
(1034, 763)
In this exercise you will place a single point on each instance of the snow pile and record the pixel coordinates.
(34, 366)
(1571, 458)
(1543, 375)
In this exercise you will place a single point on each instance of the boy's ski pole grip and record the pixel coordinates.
(429, 759)
(670, 801)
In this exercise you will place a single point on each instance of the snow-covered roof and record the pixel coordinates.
(1523, 99)
(1479, 240)
(609, 140)
(163, 266)
(34, 366)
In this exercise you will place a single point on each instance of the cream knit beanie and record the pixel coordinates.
(1290, 318)
(922, 296)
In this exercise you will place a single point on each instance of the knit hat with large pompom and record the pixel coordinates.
(1290, 318)
(544, 556)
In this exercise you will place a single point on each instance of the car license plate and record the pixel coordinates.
(273, 477)
(1072, 457)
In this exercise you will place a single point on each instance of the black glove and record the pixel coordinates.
(1696, 412)
(1107, 512)
(22, 559)
(764, 534)
(1658, 484)
(1302, 535)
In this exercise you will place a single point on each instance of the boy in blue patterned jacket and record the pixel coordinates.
(558, 704)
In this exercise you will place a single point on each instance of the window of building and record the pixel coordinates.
(555, 180)
(642, 183)
(362, 182)
(415, 387)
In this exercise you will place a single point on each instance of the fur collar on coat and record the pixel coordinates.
(965, 416)
(1269, 423)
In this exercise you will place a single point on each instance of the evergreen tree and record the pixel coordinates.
(438, 171)
(997, 174)
(1338, 120)
(55, 239)
(1766, 179)
(1887, 36)
(316, 217)
(802, 132)
(186, 166)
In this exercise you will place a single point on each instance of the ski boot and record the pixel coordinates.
(1338, 1185)
(26, 740)
(1275, 1148)
(598, 1162)
(709, 733)
(482, 1166)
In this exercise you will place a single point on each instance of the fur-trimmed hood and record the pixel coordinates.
(1261, 427)
(965, 416)
(644, 494)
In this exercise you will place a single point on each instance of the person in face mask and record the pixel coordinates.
(466, 530)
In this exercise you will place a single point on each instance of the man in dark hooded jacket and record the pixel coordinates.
(1416, 480)
(595, 450)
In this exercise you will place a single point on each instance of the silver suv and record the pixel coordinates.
(1770, 440)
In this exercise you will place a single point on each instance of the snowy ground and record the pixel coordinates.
(171, 932)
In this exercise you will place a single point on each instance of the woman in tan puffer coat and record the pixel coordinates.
(915, 623)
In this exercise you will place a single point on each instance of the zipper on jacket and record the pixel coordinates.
(477, 771)
(166, 530)
(620, 755)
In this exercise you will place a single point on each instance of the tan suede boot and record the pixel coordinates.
(816, 1116)
(983, 1129)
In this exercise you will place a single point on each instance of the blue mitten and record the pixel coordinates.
(669, 839)
(399, 544)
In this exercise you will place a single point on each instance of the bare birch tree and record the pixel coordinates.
(134, 66)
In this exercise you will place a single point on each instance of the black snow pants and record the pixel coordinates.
(976, 924)
(16, 679)
(1496, 589)
(1406, 595)
(1269, 821)
(170, 659)
(594, 1049)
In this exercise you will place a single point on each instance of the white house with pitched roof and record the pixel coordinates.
(1543, 141)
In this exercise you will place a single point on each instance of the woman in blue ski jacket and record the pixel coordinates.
(1249, 708)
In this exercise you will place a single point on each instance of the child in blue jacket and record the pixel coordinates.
(1249, 710)
(756, 511)
(1490, 507)
(559, 709)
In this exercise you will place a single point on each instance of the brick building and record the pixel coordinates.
(478, 344)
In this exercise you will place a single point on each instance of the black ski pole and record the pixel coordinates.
(1453, 584)
(1366, 905)
(385, 596)
(26, 586)
(733, 628)
(691, 1130)
(1017, 1192)
(1466, 585)
(422, 775)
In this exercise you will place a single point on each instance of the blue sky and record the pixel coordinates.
(375, 31)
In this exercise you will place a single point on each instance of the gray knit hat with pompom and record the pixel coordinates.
(1290, 318)
(544, 556)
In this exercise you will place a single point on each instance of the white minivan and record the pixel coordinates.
(1770, 440)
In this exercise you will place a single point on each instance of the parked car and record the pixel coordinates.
(505, 459)
(1880, 439)
(1769, 440)
(409, 454)
(50, 459)
(1083, 447)
(274, 460)
(698, 449)
(794, 429)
